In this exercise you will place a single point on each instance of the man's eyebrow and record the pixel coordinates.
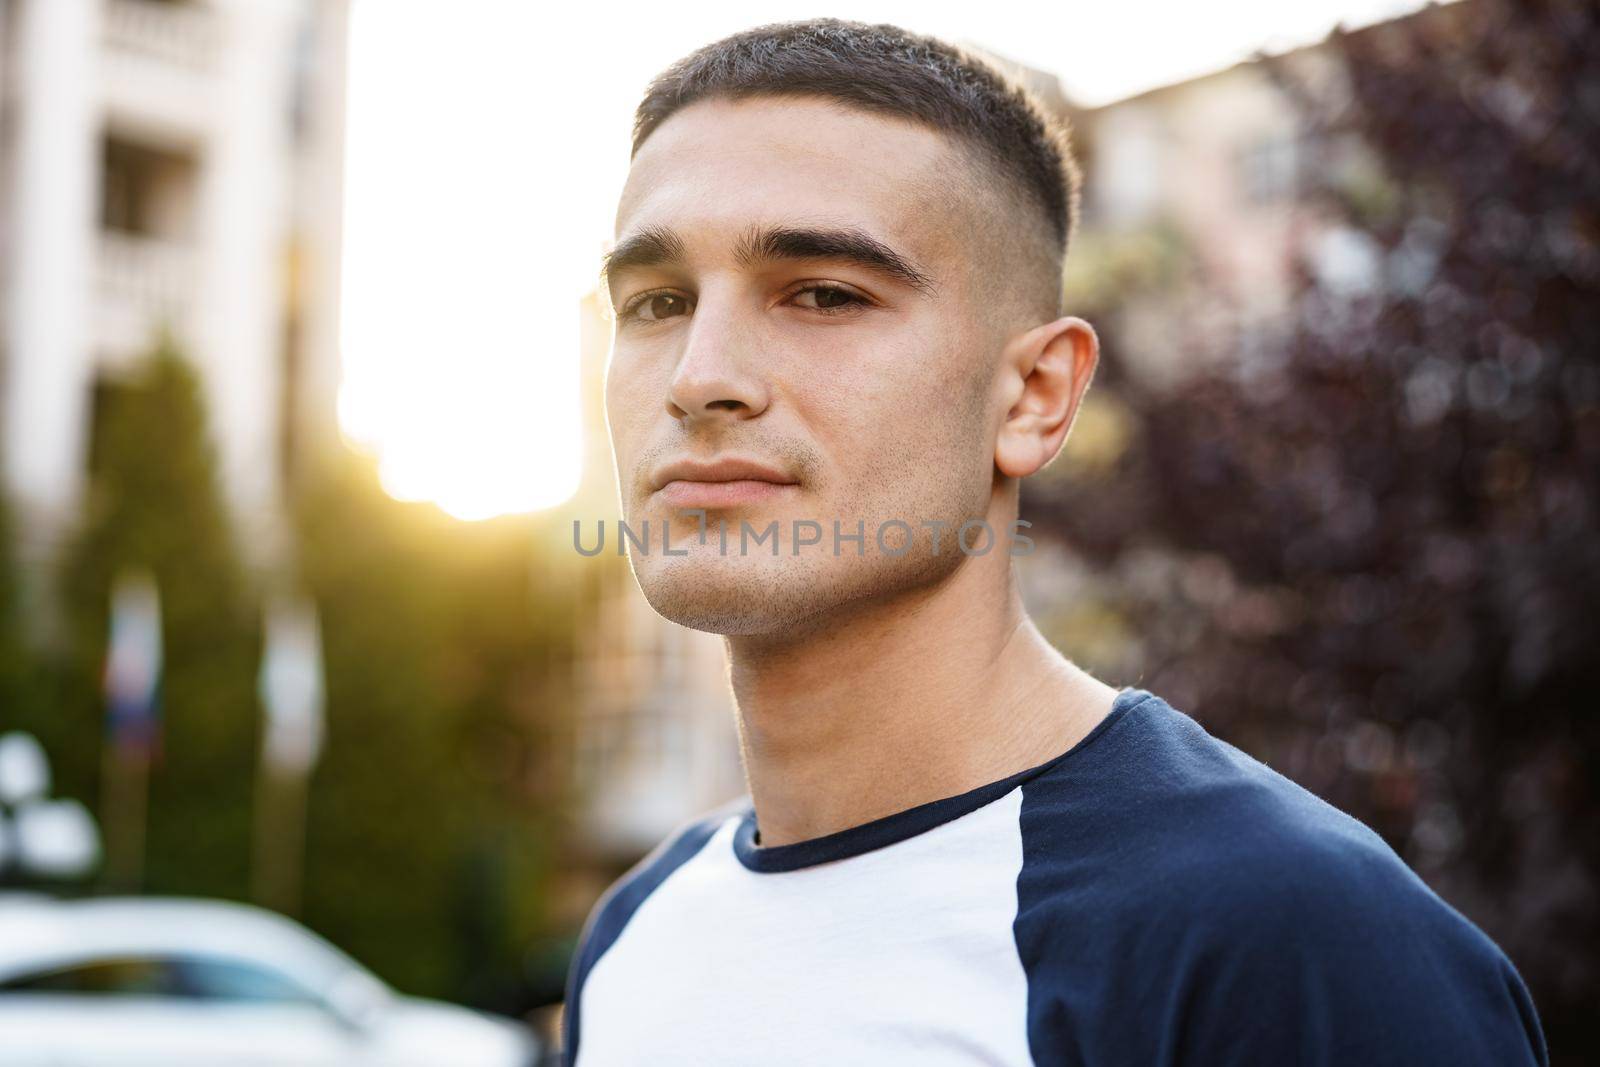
(812, 242)
(649, 247)
(653, 246)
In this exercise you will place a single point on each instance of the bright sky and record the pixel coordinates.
(488, 140)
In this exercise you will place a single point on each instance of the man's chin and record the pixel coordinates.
(721, 595)
(782, 596)
(733, 595)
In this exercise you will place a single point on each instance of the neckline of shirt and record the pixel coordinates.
(889, 829)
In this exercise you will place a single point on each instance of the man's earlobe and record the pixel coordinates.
(1048, 369)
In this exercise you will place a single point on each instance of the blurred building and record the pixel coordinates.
(1215, 158)
(1192, 214)
(168, 165)
(1198, 213)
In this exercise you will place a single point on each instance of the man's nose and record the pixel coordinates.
(718, 374)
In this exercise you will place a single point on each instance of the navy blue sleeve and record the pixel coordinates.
(1329, 956)
(1182, 904)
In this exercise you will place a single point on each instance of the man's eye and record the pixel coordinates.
(652, 307)
(828, 298)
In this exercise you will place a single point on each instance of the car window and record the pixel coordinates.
(124, 976)
(217, 978)
(214, 978)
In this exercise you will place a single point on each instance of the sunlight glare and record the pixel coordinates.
(460, 323)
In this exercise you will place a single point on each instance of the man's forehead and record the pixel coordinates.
(718, 167)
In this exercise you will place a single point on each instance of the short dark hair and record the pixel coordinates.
(888, 70)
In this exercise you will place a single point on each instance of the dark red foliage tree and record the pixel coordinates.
(1387, 555)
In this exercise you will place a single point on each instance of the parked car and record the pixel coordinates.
(141, 982)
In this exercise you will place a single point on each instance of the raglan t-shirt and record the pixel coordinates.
(1152, 896)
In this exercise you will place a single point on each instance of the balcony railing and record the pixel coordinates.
(143, 286)
(183, 34)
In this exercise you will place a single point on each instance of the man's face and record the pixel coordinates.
(800, 337)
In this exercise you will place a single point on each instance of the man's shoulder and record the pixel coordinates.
(680, 845)
(617, 905)
(1172, 821)
(1177, 859)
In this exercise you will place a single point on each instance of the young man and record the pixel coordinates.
(839, 348)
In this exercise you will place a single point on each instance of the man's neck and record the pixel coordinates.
(912, 700)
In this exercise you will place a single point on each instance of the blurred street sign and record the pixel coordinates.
(55, 839)
(133, 664)
(40, 837)
(132, 690)
(291, 685)
(24, 770)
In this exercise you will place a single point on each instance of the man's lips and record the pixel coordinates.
(722, 482)
(687, 494)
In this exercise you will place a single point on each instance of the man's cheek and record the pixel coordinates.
(626, 417)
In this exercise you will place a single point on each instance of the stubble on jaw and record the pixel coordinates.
(752, 594)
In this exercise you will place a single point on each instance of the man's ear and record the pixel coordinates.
(1047, 371)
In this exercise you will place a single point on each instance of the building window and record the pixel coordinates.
(1130, 165)
(1267, 169)
(147, 191)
